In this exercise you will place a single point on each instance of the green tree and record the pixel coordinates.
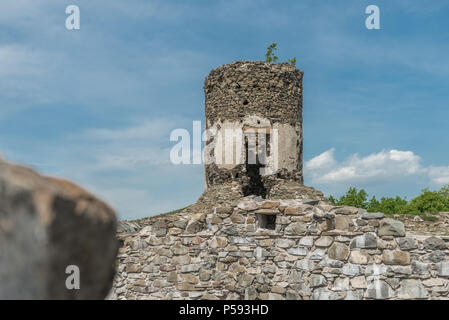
(292, 61)
(332, 200)
(354, 198)
(373, 205)
(392, 205)
(269, 55)
(428, 201)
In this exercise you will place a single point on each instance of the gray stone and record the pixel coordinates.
(341, 284)
(354, 295)
(372, 215)
(378, 289)
(443, 268)
(325, 241)
(316, 280)
(338, 251)
(420, 268)
(346, 210)
(297, 251)
(407, 270)
(284, 243)
(375, 270)
(296, 228)
(393, 282)
(326, 262)
(359, 257)
(351, 270)
(396, 257)
(248, 205)
(312, 202)
(47, 225)
(365, 241)
(190, 268)
(412, 289)
(435, 256)
(317, 254)
(306, 241)
(305, 264)
(391, 227)
(434, 243)
(295, 276)
(324, 294)
(406, 243)
(194, 227)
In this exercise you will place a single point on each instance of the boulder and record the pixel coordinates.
(406, 243)
(338, 251)
(434, 243)
(391, 227)
(57, 241)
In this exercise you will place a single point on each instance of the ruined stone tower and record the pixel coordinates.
(262, 101)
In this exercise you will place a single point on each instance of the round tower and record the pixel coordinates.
(254, 124)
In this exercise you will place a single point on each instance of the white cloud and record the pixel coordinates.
(323, 161)
(381, 166)
(439, 175)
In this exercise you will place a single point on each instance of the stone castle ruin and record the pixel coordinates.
(258, 105)
(257, 232)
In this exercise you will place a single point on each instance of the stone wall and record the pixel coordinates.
(315, 251)
(248, 96)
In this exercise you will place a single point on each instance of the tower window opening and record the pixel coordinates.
(267, 221)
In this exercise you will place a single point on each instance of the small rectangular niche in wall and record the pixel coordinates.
(267, 221)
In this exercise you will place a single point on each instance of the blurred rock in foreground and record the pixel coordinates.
(46, 225)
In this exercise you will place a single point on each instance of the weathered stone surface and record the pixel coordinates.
(338, 251)
(412, 289)
(420, 268)
(341, 284)
(351, 270)
(372, 215)
(435, 256)
(358, 282)
(390, 227)
(46, 226)
(193, 227)
(324, 241)
(434, 243)
(379, 289)
(406, 243)
(306, 241)
(443, 268)
(237, 218)
(365, 241)
(396, 257)
(296, 228)
(346, 210)
(359, 257)
(248, 204)
(298, 251)
(342, 222)
(316, 280)
(298, 210)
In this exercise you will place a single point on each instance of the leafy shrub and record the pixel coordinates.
(271, 57)
(427, 202)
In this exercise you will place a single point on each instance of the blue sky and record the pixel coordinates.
(97, 105)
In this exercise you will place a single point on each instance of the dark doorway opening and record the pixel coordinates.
(255, 185)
